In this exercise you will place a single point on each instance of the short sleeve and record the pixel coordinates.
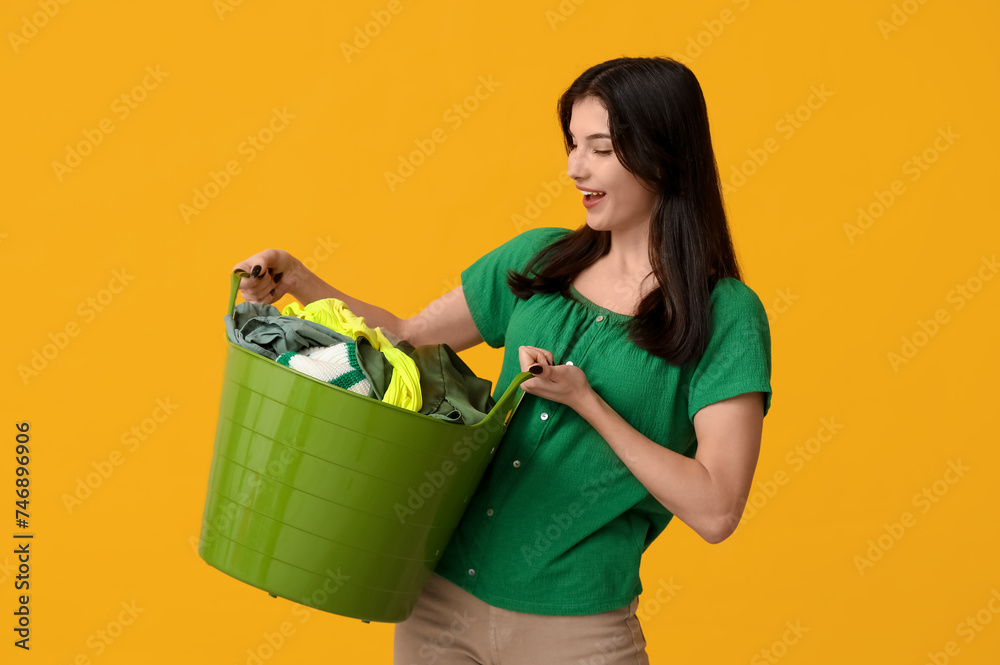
(484, 283)
(737, 358)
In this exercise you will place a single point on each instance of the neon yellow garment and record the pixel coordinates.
(404, 387)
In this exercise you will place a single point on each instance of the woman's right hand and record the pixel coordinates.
(273, 274)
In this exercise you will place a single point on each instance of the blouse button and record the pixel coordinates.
(517, 463)
(472, 571)
(544, 416)
(600, 317)
(569, 362)
(489, 511)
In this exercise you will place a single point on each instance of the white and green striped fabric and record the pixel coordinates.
(337, 364)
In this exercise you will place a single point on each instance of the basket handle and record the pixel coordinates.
(234, 288)
(511, 398)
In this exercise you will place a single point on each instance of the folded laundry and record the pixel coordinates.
(404, 386)
(337, 365)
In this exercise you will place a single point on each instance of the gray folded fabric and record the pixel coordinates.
(262, 329)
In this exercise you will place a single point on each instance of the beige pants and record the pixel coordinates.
(450, 626)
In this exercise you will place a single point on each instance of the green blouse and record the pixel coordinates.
(558, 523)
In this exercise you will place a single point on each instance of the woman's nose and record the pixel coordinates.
(574, 165)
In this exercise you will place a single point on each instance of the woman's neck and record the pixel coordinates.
(629, 252)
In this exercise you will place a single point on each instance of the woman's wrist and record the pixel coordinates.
(301, 282)
(586, 402)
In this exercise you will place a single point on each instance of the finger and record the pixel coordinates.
(275, 294)
(527, 356)
(253, 289)
(540, 356)
(261, 291)
(256, 288)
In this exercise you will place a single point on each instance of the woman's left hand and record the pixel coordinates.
(566, 384)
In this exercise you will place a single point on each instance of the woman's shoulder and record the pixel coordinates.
(514, 253)
(526, 244)
(732, 295)
(541, 236)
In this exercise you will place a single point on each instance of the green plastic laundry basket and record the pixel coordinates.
(332, 499)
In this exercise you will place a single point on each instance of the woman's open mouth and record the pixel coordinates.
(590, 199)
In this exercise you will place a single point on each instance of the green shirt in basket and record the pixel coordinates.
(558, 523)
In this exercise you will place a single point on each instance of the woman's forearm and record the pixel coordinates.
(681, 484)
(307, 287)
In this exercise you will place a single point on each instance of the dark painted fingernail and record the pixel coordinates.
(277, 278)
(255, 272)
(272, 292)
(535, 369)
(270, 271)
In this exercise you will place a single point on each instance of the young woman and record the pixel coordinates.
(653, 366)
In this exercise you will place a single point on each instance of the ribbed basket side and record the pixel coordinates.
(332, 591)
(310, 482)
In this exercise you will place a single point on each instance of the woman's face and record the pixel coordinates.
(594, 165)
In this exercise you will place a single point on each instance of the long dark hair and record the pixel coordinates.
(659, 130)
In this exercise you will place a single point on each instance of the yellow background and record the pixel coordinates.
(839, 304)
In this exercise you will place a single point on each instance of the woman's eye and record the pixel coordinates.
(599, 152)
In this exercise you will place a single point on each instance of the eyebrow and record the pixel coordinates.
(595, 136)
